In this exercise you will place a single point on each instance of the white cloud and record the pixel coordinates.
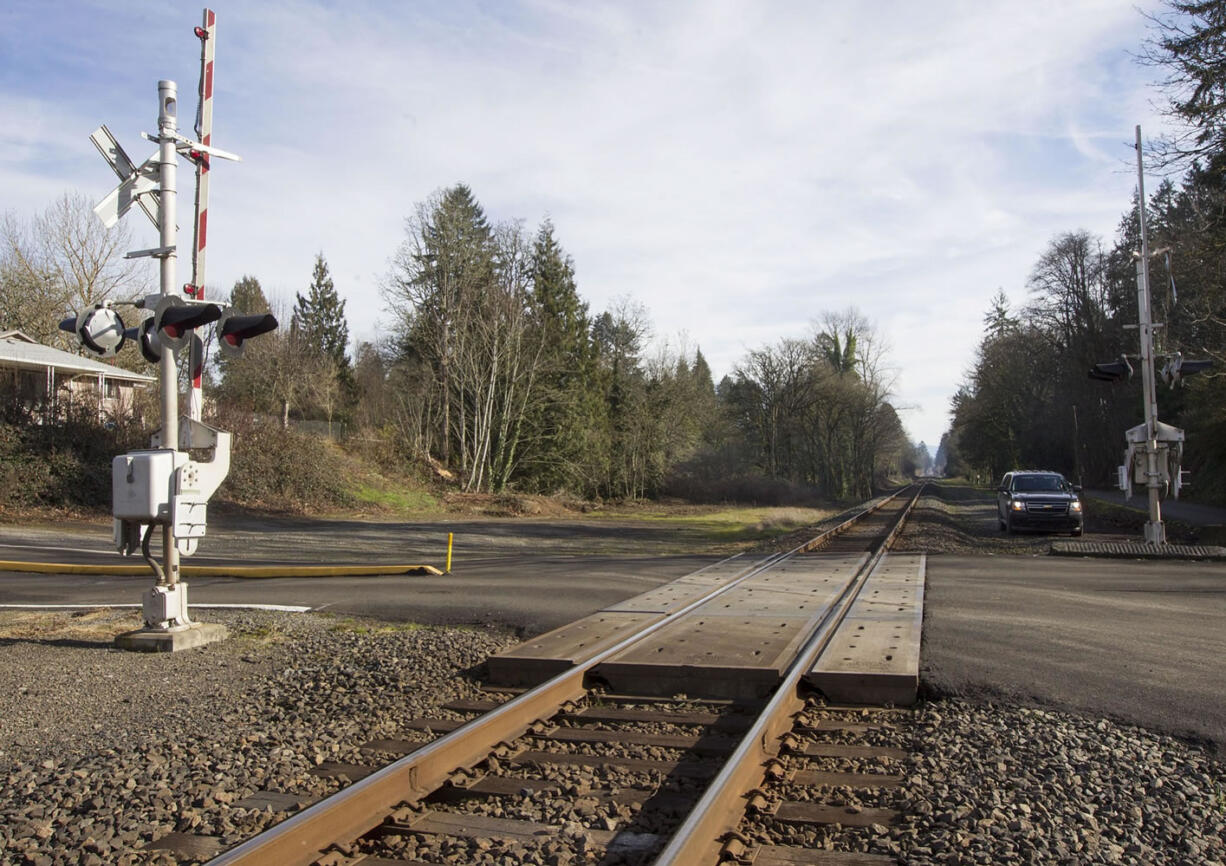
(737, 167)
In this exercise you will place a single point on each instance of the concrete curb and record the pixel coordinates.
(242, 571)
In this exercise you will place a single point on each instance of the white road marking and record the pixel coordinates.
(41, 547)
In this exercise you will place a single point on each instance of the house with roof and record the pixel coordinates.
(40, 375)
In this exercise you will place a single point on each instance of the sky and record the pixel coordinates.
(738, 168)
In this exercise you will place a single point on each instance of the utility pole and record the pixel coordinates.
(1155, 532)
(1154, 451)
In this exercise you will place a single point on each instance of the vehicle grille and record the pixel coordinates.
(1054, 509)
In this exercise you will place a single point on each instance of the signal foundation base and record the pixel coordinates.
(152, 640)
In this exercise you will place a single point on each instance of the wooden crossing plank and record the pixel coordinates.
(677, 594)
(738, 644)
(536, 660)
(874, 656)
(540, 658)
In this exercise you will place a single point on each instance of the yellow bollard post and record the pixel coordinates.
(448, 569)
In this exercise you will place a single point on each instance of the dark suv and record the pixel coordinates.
(1031, 499)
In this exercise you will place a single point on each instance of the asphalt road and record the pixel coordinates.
(530, 594)
(530, 575)
(1141, 642)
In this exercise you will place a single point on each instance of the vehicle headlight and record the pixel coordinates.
(1017, 505)
(1075, 505)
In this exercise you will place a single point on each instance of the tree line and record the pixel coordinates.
(1028, 400)
(500, 377)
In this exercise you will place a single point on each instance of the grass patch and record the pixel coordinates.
(90, 626)
(262, 635)
(355, 626)
(402, 499)
(723, 525)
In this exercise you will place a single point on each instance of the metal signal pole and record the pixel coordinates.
(168, 162)
(1155, 532)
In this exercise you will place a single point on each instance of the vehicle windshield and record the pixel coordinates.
(1030, 483)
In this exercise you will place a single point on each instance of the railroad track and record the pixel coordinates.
(567, 772)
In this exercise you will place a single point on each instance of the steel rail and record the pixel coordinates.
(359, 808)
(829, 535)
(700, 838)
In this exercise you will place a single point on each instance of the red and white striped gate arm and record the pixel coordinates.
(207, 33)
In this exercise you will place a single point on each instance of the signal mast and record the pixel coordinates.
(169, 484)
(1154, 451)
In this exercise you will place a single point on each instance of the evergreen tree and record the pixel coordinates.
(319, 317)
(564, 416)
(997, 321)
(439, 275)
(242, 379)
(248, 298)
(702, 374)
(1190, 43)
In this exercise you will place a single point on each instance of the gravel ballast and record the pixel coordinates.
(103, 751)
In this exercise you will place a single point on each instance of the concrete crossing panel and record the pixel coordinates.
(738, 644)
(536, 660)
(874, 656)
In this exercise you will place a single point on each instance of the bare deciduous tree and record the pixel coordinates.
(60, 262)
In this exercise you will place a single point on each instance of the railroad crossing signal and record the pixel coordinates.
(1173, 372)
(135, 184)
(1112, 371)
(100, 330)
(1177, 367)
(234, 329)
(167, 485)
(172, 327)
(174, 319)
